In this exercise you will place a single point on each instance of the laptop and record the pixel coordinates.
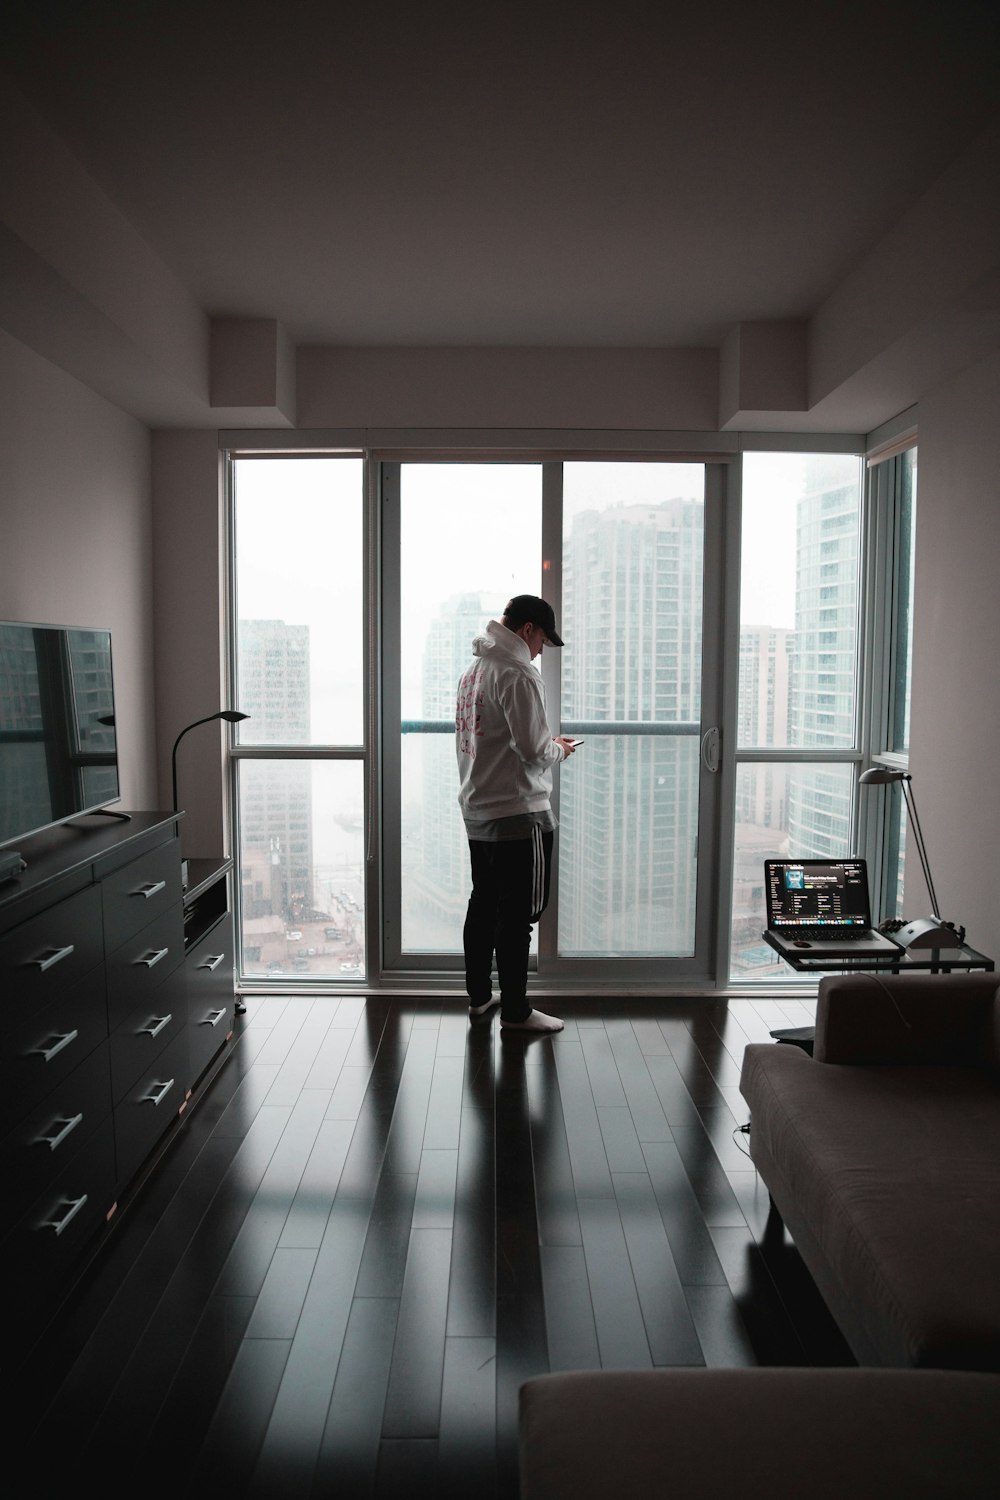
(820, 908)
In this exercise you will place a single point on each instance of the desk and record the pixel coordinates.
(928, 960)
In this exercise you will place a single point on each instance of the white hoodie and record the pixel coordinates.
(503, 742)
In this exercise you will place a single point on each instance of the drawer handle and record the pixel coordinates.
(149, 889)
(151, 958)
(55, 1141)
(212, 963)
(155, 1026)
(213, 1019)
(50, 1052)
(158, 1098)
(55, 956)
(73, 1207)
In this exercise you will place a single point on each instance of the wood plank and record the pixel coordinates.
(521, 1353)
(555, 1194)
(640, 1095)
(228, 1456)
(472, 1289)
(306, 1220)
(383, 1261)
(588, 1159)
(444, 1105)
(621, 1143)
(348, 1456)
(691, 1244)
(705, 1173)
(569, 1314)
(197, 1381)
(278, 1306)
(621, 1332)
(602, 1071)
(300, 1058)
(670, 1331)
(257, 1240)
(467, 1461)
(774, 1339)
(291, 1444)
(722, 1334)
(413, 1399)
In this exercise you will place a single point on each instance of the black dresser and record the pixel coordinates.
(116, 1004)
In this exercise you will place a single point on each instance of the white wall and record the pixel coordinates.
(955, 711)
(189, 571)
(75, 534)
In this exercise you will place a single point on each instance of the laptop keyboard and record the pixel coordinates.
(834, 935)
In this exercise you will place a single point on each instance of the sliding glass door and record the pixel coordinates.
(619, 548)
(633, 604)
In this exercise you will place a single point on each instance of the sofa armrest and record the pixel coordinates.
(769, 1433)
(908, 1018)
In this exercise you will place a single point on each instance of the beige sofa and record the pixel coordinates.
(881, 1153)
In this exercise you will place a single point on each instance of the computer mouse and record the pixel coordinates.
(799, 943)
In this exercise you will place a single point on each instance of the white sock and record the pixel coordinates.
(534, 1021)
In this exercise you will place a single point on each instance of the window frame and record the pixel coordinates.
(892, 503)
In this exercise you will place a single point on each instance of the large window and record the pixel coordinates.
(298, 594)
(893, 489)
(725, 721)
(798, 724)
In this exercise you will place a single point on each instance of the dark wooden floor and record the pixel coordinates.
(381, 1220)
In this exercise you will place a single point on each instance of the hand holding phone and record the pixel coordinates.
(574, 742)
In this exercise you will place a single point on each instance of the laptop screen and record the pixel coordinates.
(814, 893)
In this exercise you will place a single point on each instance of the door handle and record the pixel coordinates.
(711, 742)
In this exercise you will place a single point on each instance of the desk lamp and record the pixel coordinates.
(925, 932)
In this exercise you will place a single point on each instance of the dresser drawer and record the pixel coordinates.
(210, 995)
(49, 1043)
(143, 962)
(58, 1227)
(138, 1041)
(35, 1150)
(138, 892)
(150, 1107)
(48, 953)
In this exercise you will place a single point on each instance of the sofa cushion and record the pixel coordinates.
(760, 1434)
(909, 1018)
(889, 1174)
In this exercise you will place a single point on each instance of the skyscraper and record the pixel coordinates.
(276, 796)
(632, 612)
(822, 703)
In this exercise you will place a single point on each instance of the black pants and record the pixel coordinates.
(510, 890)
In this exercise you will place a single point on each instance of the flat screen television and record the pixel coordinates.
(58, 746)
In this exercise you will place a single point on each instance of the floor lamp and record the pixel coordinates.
(231, 716)
(925, 932)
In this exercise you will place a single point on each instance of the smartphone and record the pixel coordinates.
(574, 742)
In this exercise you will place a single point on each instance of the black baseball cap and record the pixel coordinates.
(526, 609)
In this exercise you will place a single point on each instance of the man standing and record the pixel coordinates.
(505, 753)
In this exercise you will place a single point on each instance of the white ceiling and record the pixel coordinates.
(509, 173)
